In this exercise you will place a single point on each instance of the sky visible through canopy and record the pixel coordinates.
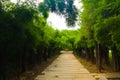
(57, 21)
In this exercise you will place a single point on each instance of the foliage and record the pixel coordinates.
(61, 7)
(99, 19)
(100, 29)
(26, 39)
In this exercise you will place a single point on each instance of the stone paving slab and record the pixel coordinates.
(65, 67)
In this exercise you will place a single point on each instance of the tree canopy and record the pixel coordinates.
(61, 7)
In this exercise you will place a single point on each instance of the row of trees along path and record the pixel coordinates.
(26, 39)
(65, 67)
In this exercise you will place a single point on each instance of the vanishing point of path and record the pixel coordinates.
(65, 67)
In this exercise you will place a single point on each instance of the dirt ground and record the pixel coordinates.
(92, 67)
(31, 74)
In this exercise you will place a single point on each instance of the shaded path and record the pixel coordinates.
(65, 67)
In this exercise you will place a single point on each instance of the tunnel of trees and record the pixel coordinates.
(27, 39)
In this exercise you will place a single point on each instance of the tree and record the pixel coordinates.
(61, 7)
(97, 18)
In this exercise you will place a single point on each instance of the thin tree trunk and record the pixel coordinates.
(87, 52)
(115, 59)
(45, 54)
(92, 55)
(98, 58)
(105, 55)
(23, 62)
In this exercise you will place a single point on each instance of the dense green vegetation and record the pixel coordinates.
(26, 39)
(100, 32)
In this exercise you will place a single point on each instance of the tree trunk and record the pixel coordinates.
(2, 70)
(45, 54)
(105, 55)
(92, 55)
(49, 51)
(87, 52)
(23, 63)
(98, 58)
(115, 57)
(39, 54)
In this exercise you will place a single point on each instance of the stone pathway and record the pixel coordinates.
(65, 67)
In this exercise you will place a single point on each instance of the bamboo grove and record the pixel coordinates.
(26, 39)
(99, 40)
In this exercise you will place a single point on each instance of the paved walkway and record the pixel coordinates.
(65, 67)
